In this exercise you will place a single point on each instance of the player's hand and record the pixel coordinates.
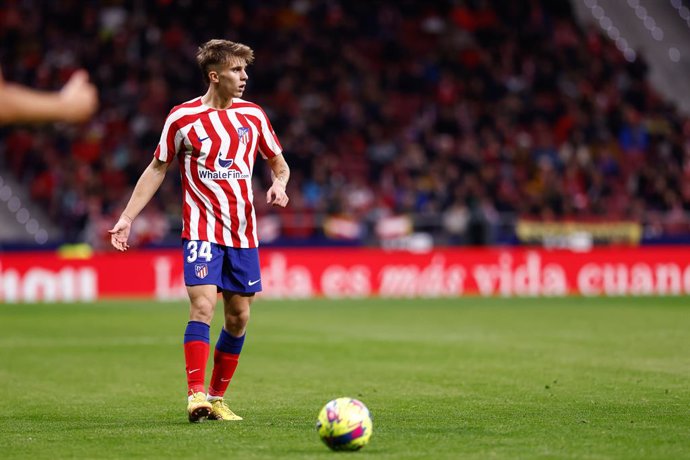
(276, 195)
(78, 97)
(119, 234)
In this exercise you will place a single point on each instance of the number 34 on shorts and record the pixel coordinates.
(230, 269)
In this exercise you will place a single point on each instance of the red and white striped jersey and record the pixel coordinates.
(216, 151)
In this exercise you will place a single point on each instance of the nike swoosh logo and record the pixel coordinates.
(224, 380)
(252, 283)
(202, 140)
(193, 371)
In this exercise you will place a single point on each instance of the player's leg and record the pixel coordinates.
(227, 353)
(196, 347)
(241, 280)
(230, 342)
(203, 265)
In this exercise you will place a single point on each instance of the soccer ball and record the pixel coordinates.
(344, 424)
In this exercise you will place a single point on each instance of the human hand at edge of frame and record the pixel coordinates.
(276, 195)
(79, 97)
(120, 232)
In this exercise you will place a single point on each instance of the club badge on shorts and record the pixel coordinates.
(201, 270)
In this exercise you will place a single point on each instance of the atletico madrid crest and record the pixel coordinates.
(243, 134)
(201, 270)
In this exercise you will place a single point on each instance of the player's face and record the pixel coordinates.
(232, 78)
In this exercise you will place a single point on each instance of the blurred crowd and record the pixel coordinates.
(451, 118)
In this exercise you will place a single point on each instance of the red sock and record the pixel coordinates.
(196, 355)
(225, 358)
(224, 365)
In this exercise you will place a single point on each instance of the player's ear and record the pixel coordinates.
(213, 76)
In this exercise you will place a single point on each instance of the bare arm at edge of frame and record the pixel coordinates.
(75, 102)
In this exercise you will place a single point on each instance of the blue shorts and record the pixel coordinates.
(231, 269)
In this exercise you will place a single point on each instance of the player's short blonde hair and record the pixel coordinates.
(219, 52)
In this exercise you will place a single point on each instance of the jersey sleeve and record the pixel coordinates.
(269, 146)
(169, 142)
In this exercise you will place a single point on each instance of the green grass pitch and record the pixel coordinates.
(470, 378)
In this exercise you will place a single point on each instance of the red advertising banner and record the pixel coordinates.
(303, 273)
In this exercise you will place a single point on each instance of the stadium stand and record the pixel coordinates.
(453, 119)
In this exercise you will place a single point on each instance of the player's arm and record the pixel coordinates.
(76, 101)
(147, 185)
(280, 173)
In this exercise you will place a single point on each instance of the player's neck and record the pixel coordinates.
(216, 101)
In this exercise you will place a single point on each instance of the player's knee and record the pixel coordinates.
(202, 310)
(236, 322)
